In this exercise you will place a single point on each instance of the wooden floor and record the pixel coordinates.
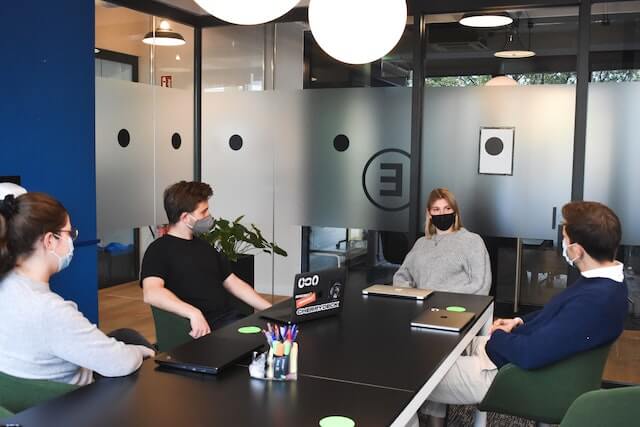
(122, 307)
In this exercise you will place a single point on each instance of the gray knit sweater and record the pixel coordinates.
(42, 336)
(454, 262)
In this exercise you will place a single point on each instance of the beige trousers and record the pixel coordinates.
(466, 383)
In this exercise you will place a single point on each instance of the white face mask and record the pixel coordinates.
(65, 260)
(565, 254)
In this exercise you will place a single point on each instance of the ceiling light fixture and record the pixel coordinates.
(163, 36)
(485, 21)
(513, 48)
(501, 80)
(247, 12)
(357, 31)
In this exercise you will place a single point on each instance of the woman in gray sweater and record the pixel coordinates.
(42, 336)
(449, 258)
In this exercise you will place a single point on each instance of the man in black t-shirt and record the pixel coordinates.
(184, 274)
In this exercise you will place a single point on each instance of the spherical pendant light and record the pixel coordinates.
(357, 31)
(247, 12)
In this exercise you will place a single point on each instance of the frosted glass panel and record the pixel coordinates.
(293, 133)
(319, 185)
(124, 175)
(613, 152)
(174, 124)
(520, 205)
(242, 180)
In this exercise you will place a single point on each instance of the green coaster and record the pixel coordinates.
(336, 421)
(456, 309)
(249, 330)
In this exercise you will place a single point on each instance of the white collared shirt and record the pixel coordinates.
(614, 272)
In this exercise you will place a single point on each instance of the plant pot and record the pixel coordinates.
(244, 269)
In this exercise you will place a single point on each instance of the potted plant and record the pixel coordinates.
(239, 244)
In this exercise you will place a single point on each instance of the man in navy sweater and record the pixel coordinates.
(586, 315)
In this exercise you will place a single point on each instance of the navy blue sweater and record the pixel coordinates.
(584, 316)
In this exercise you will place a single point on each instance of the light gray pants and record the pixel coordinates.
(466, 383)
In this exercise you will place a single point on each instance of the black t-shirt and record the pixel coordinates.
(192, 269)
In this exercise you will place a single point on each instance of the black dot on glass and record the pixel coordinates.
(494, 146)
(176, 140)
(235, 142)
(124, 138)
(341, 142)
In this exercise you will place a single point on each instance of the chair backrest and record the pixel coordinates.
(171, 329)
(5, 413)
(545, 394)
(395, 246)
(18, 394)
(603, 408)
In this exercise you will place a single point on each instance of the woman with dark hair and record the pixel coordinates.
(42, 336)
(449, 258)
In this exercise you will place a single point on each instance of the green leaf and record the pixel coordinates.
(234, 239)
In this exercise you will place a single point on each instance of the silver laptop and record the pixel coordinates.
(443, 320)
(395, 291)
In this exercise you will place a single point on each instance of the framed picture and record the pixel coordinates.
(496, 150)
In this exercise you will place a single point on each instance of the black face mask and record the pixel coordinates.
(443, 222)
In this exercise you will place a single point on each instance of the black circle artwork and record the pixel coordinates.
(341, 142)
(494, 146)
(235, 142)
(124, 138)
(176, 140)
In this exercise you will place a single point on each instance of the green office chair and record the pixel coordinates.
(5, 413)
(544, 395)
(604, 408)
(18, 394)
(171, 329)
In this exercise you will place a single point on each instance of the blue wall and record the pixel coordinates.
(47, 115)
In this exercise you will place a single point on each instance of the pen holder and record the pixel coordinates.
(272, 367)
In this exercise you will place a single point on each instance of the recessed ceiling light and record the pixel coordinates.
(486, 20)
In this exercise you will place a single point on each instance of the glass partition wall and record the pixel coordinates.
(498, 131)
(612, 152)
(319, 169)
(318, 154)
(144, 132)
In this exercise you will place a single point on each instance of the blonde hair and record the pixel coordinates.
(442, 194)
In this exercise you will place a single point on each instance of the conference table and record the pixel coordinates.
(367, 364)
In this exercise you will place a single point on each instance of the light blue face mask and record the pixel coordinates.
(65, 260)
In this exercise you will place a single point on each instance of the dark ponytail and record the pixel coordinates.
(24, 220)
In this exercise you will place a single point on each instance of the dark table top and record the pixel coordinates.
(366, 364)
(154, 397)
(373, 342)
